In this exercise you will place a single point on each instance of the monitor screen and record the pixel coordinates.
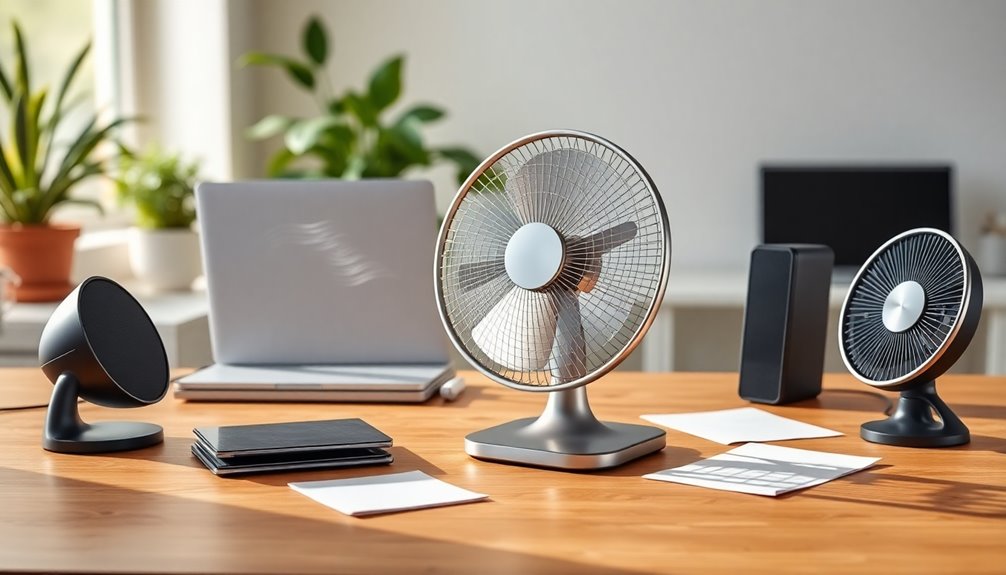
(853, 209)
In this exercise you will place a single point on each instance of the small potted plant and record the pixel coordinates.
(40, 166)
(350, 135)
(164, 247)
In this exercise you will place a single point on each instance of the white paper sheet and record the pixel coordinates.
(739, 425)
(765, 469)
(385, 493)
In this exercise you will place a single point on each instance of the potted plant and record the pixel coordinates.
(38, 175)
(164, 248)
(350, 136)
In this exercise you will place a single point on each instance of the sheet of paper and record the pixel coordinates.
(765, 469)
(385, 493)
(739, 425)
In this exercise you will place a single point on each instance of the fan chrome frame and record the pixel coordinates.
(654, 305)
(566, 435)
(963, 315)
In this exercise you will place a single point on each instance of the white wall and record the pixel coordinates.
(699, 92)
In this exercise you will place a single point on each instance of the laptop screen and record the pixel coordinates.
(321, 272)
(853, 209)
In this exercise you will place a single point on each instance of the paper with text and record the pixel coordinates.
(765, 469)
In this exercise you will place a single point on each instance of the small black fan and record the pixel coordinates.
(910, 313)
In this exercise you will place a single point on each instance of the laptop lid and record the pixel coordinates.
(321, 272)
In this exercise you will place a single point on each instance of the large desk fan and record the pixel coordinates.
(551, 264)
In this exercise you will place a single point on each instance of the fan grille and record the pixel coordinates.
(579, 185)
(873, 351)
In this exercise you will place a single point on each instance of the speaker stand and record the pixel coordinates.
(66, 432)
(565, 436)
(913, 424)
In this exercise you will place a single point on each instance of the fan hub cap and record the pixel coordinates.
(904, 306)
(534, 256)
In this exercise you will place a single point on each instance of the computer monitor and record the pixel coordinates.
(853, 209)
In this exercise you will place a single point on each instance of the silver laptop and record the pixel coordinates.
(320, 290)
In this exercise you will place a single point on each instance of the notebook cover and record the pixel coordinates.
(229, 441)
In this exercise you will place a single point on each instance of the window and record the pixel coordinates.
(54, 31)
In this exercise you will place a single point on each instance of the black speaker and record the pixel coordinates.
(101, 345)
(785, 322)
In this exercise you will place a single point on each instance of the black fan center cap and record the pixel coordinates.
(904, 306)
(534, 256)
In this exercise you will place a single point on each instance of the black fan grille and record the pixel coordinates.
(880, 355)
(579, 186)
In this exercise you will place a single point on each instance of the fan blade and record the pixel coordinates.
(586, 253)
(473, 275)
(604, 241)
(518, 332)
(526, 192)
(569, 350)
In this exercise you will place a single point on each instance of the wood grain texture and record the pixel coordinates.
(159, 510)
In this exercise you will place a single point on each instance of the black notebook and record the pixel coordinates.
(301, 436)
(290, 461)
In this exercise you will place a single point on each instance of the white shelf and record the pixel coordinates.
(727, 289)
(181, 319)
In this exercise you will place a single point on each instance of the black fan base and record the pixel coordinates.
(66, 432)
(105, 437)
(913, 423)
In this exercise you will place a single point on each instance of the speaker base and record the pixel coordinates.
(66, 432)
(913, 423)
(565, 436)
(106, 437)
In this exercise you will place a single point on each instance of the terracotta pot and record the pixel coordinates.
(42, 256)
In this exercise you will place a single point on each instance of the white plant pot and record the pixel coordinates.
(165, 260)
(992, 254)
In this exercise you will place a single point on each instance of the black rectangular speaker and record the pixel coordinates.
(785, 322)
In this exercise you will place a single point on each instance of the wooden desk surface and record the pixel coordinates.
(158, 510)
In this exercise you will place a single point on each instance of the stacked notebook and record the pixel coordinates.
(301, 445)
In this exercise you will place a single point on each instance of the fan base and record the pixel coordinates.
(609, 445)
(913, 423)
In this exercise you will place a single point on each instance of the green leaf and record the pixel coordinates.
(361, 108)
(422, 113)
(268, 127)
(355, 169)
(59, 111)
(84, 202)
(75, 156)
(337, 107)
(57, 194)
(386, 84)
(466, 162)
(278, 163)
(7, 183)
(315, 41)
(71, 72)
(34, 111)
(297, 71)
(22, 79)
(22, 135)
(304, 134)
(5, 84)
(407, 142)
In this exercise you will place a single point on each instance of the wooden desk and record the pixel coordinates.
(158, 510)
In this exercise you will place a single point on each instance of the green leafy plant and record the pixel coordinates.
(35, 176)
(351, 137)
(161, 186)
